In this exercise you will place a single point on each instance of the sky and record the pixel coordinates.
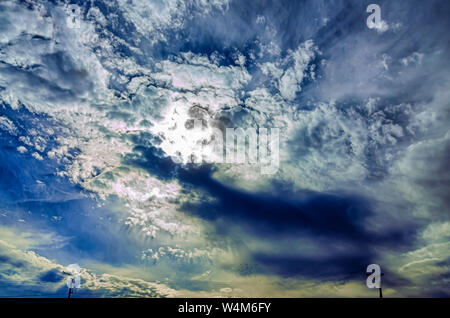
(108, 160)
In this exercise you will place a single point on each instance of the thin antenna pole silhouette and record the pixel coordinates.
(70, 288)
(381, 293)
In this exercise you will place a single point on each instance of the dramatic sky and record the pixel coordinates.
(97, 100)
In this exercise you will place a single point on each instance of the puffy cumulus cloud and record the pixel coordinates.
(108, 285)
(94, 120)
(149, 202)
(200, 259)
(108, 99)
(353, 125)
(24, 269)
(196, 73)
(92, 138)
(45, 63)
(152, 18)
(26, 273)
(90, 131)
(7, 125)
(289, 83)
(214, 96)
(200, 91)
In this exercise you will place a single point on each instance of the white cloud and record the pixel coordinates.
(289, 83)
(350, 131)
(22, 266)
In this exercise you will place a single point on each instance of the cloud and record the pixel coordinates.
(93, 115)
(24, 272)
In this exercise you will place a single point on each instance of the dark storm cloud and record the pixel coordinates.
(339, 267)
(52, 276)
(151, 158)
(342, 215)
(325, 219)
(278, 215)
